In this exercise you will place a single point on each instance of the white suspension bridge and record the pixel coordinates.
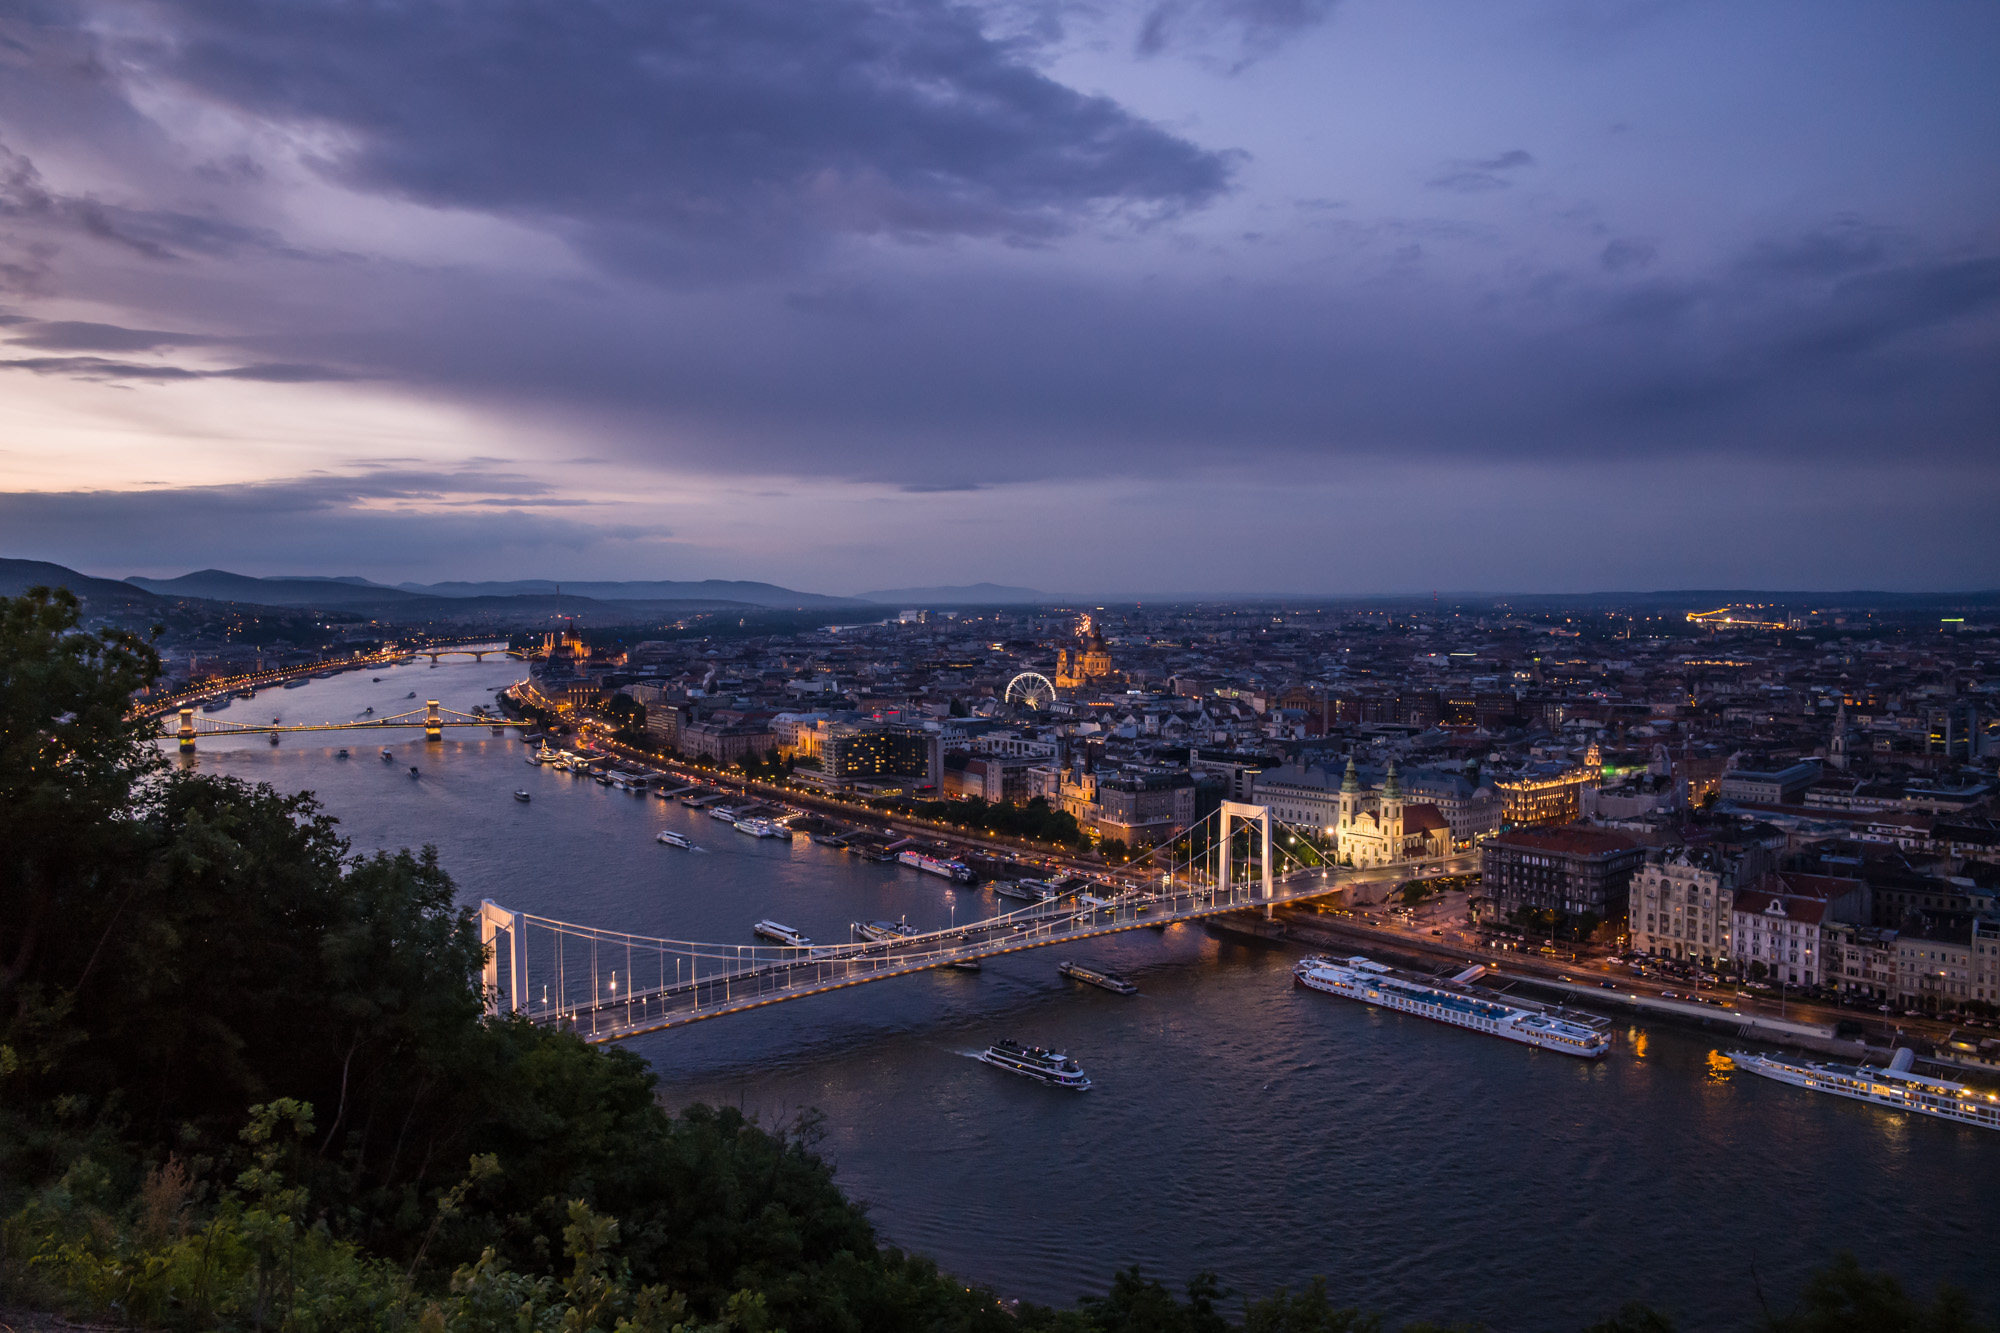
(607, 985)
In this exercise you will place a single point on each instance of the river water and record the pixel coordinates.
(1269, 1133)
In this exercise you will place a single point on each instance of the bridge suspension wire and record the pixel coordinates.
(554, 972)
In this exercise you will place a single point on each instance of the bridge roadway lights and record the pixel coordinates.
(187, 728)
(433, 724)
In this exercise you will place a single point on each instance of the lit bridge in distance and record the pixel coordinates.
(433, 719)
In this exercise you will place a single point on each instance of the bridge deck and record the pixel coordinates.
(405, 722)
(816, 970)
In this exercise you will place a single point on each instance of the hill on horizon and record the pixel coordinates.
(219, 585)
(17, 576)
(740, 591)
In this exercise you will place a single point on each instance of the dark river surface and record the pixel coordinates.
(1238, 1124)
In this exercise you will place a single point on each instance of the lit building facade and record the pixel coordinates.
(1086, 665)
(1780, 926)
(1384, 827)
(1684, 905)
(850, 752)
(1555, 798)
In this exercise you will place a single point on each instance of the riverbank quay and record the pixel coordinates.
(1315, 930)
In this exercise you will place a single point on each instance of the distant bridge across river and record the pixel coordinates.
(434, 719)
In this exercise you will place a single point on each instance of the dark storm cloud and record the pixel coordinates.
(1876, 309)
(69, 335)
(1812, 356)
(971, 377)
(162, 234)
(103, 368)
(1842, 246)
(707, 123)
(317, 521)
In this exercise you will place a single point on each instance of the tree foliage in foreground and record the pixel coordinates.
(246, 1082)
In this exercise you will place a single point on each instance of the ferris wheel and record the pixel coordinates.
(1031, 688)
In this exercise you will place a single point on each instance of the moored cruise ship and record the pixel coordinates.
(1895, 1087)
(938, 865)
(1050, 1067)
(1368, 981)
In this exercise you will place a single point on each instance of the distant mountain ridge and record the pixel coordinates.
(219, 585)
(742, 592)
(17, 576)
(971, 594)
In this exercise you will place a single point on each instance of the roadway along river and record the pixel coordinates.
(1238, 1123)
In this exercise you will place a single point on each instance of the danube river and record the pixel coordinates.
(1238, 1124)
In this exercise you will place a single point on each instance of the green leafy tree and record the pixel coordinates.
(1634, 1317)
(1843, 1297)
(1308, 1311)
(72, 756)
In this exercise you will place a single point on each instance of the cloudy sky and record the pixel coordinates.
(1108, 296)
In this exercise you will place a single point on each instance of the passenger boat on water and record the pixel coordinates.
(758, 828)
(1045, 1066)
(783, 934)
(937, 865)
(1895, 1087)
(1369, 982)
(673, 839)
(1028, 890)
(883, 931)
(1117, 985)
(522, 796)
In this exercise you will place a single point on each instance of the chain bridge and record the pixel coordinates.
(432, 718)
(607, 985)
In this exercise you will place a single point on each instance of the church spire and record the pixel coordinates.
(1392, 787)
(1351, 784)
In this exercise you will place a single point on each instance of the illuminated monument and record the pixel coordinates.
(1086, 665)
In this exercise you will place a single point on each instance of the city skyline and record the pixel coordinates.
(1193, 299)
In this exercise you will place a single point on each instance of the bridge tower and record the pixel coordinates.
(187, 728)
(493, 919)
(433, 724)
(1258, 817)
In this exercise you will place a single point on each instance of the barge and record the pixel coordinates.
(1117, 985)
